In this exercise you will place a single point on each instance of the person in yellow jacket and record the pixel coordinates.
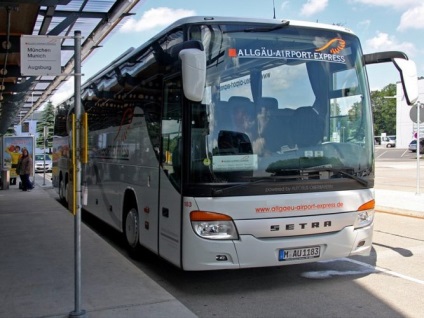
(14, 153)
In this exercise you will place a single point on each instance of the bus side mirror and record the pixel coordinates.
(408, 74)
(193, 73)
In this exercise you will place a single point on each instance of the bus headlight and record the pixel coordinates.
(213, 226)
(365, 215)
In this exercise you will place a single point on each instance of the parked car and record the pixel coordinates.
(389, 141)
(41, 165)
(413, 145)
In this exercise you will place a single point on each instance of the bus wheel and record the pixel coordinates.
(61, 186)
(62, 192)
(131, 229)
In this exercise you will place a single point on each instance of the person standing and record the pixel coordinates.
(14, 154)
(24, 169)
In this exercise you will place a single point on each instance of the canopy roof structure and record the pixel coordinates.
(21, 95)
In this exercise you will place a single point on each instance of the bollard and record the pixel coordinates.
(5, 179)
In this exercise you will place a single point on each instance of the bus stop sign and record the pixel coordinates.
(413, 113)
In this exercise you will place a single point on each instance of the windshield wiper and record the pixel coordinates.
(252, 180)
(298, 175)
(281, 25)
(342, 172)
(233, 187)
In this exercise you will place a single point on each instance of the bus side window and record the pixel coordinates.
(172, 132)
(176, 159)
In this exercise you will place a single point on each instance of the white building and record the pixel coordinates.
(405, 128)
(29, 128)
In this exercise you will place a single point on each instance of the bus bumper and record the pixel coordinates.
(249, 251)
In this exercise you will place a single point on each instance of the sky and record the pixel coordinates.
(381, 25)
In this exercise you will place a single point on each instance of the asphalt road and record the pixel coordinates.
(394, 154)
(388, 283)
(397, 169)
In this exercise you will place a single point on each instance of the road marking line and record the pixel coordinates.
(383, 270)
(381, 154)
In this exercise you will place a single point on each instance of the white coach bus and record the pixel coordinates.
(227, 143)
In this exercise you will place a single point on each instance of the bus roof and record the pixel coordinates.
(211, 19)
(218, 19)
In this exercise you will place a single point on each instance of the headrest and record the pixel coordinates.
(269, 103)
(239, 100)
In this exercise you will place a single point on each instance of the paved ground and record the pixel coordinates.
(37, 266)
(399, 184)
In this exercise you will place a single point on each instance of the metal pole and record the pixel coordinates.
(78, 312)
(44, 155)
(418, 147)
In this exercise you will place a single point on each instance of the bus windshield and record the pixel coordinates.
(289, 104)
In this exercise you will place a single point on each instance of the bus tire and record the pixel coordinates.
(60, 188)
(62, 191)
(132, 230)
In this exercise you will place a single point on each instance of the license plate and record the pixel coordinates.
(299, 253)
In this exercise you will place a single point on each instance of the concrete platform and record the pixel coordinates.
(37, 266)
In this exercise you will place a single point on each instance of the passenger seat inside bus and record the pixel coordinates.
(240, 105)
(308, 126)
(278, 132)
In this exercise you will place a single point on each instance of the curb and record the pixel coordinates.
(397, 211)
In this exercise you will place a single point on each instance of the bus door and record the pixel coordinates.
(170, 173)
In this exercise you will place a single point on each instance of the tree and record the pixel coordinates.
(356, 129)
(384, 110)
(47, 120)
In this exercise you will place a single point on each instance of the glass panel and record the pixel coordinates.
(289, 103)
(172, 146)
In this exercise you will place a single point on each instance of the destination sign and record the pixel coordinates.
(40, 55)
